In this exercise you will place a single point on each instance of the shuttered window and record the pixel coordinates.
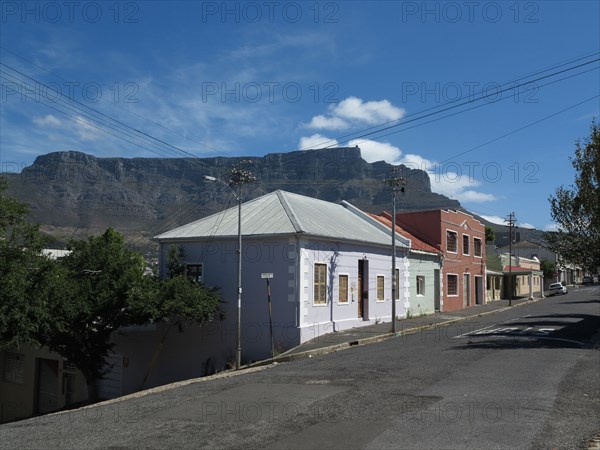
(320, 284)
(343, 289)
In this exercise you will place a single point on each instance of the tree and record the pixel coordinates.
(576, 211)
(108, 290)
(27, 279)
(490, 235)
(180, 301)
(548, 268)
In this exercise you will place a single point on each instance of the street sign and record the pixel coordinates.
(266, 275)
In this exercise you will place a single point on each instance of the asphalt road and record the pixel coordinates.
(528, 377)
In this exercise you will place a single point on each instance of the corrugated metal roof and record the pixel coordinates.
(284, 213)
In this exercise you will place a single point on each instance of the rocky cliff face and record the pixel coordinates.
(73, 193)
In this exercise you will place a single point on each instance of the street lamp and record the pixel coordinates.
(238, 196)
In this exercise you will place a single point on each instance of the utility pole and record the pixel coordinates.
(510, 220)
(397, 184)
(237, 177)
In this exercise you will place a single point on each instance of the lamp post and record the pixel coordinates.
(236, 180)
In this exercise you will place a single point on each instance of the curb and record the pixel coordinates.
(286, 357)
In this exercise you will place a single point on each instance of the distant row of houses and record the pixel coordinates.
(329, 268)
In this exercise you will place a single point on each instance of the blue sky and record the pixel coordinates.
(250, 78)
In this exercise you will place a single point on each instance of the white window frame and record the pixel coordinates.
(448, 285)
(340, 275)
(480, 247)
(14, 367)
(456, 235)
(377, 288)
(420, 278)
(468, 252)
(315, 264)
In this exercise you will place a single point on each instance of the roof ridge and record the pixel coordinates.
(288, 210)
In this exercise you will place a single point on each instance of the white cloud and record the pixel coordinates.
(527, 225)
(353, 111)
(85, 131)
(476, 197)
(316, 141)
(373, 112)
(48, 120)
(494, 219)
(329, 123)
(551, 227)
(372, 151)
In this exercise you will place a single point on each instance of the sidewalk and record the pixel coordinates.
(373, 333)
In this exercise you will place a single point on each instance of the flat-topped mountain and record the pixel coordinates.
(74, 194)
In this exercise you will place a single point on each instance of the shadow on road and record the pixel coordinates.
(545, 331)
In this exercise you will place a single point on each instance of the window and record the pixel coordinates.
(380, 287)
(452, 284)
(477, 247)
(13, 367)
(397, 284)
(194, 272)
(466, 250)
(420, 285)
(343, 289)
(320, 284)
(451, 241)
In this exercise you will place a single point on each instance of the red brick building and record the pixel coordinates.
(461, 239)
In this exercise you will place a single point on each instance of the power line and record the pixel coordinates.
(465, 97)
(458, 105)
(101, 98)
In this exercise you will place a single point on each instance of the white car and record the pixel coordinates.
(557, 288)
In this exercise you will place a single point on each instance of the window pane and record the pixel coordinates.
(397, 284)
(420, 285)
(466, 249)
(194, 272)
(477, 246)
(380, 288)
(320, 284)
(13, 367)
(451, 241)
(343, 296)
(452, 281)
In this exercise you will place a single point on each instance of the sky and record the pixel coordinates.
(488, 97)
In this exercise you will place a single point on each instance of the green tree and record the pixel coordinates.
(548, 268)
(576, 210)
(180, 301)
(27, 278)
(108, 290)
(490, 235)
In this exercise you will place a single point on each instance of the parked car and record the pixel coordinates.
(557, 288)
(587, 280)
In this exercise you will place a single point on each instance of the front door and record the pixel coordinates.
(363, 288)
(479, 290)
(466, 290)
(436, 289)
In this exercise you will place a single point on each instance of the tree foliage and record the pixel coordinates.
(548, 268)
(576, 210)
(25, 274)
(490, 235)
(74, 305)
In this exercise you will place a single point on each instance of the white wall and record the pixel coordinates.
(343, 258)
(422, 265)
